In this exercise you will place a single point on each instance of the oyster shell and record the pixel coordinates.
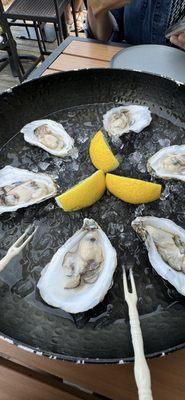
(50, 136)
(168, 163)
(165, 242)
(20, 188)
(120, 120)
(80, 272)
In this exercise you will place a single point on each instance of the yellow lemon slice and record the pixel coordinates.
(84, 194)
(131, 190)
(101, 154)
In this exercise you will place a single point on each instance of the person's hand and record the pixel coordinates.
(99, 6)
(178, 40)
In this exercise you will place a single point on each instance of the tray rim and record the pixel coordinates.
(85, 360)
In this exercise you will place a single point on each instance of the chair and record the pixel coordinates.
(36, 12)
(8, 45)
(10, 57)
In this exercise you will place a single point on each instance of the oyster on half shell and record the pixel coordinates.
(165, 242)
(80, 272)
(20, 188)
(120, 120)
(51, 137)
(168, 163)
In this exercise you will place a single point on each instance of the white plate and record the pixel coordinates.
(156, 59)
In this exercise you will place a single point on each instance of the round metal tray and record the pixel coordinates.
(78, 99)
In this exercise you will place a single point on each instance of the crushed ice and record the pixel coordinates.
(139, 210)
(164, 142)
(166, 192)
(34, 168)
(115, 228)
(43, 165)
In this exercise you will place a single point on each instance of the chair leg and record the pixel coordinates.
(16, 66)
(56, 31)
(74, 17)
(42, 37)
(64, 26)
(13, 66)
(12, 44)
(3, 62)
(27, 30)
(38, 40)
(61, 33)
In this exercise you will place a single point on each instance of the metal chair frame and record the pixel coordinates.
(9, 45)
(37, 20)
(8, 19)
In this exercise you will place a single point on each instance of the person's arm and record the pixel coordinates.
(100, 19)
(178, 40)
(101, 25)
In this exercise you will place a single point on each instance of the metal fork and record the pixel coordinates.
(141, 369)
(17, 246)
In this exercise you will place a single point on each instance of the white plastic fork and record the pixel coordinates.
(141, 369)
(17, 247)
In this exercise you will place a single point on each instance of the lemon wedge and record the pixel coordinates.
(84, 194)
(101, 154)
(131, 190)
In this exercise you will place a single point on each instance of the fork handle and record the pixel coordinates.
(141, 369)
(4, 261)
(11, 253)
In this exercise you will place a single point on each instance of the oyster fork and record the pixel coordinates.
(17, 246)
(141, 369)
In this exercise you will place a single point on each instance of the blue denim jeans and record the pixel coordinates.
(146, 21)
(141, 22)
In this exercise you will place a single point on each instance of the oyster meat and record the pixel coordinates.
(165, 242)
(168, 163)
(50, 136)
(80, 272)
(120, 120)
(20, 188)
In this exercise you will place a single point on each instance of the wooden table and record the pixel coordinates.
(26, 376)
(77, 53)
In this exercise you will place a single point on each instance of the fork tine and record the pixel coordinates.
(15, 248)
(27, 240)
(133, 285)
(16, 244)
(19, 240)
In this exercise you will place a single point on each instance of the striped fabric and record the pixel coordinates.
(177, 11)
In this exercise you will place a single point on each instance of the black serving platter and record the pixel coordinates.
(78, 100)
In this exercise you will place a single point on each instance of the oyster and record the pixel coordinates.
(80, 272)
(165, 242)
(20, 188)
(50, 136)
(168, 163)
(120, 120)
